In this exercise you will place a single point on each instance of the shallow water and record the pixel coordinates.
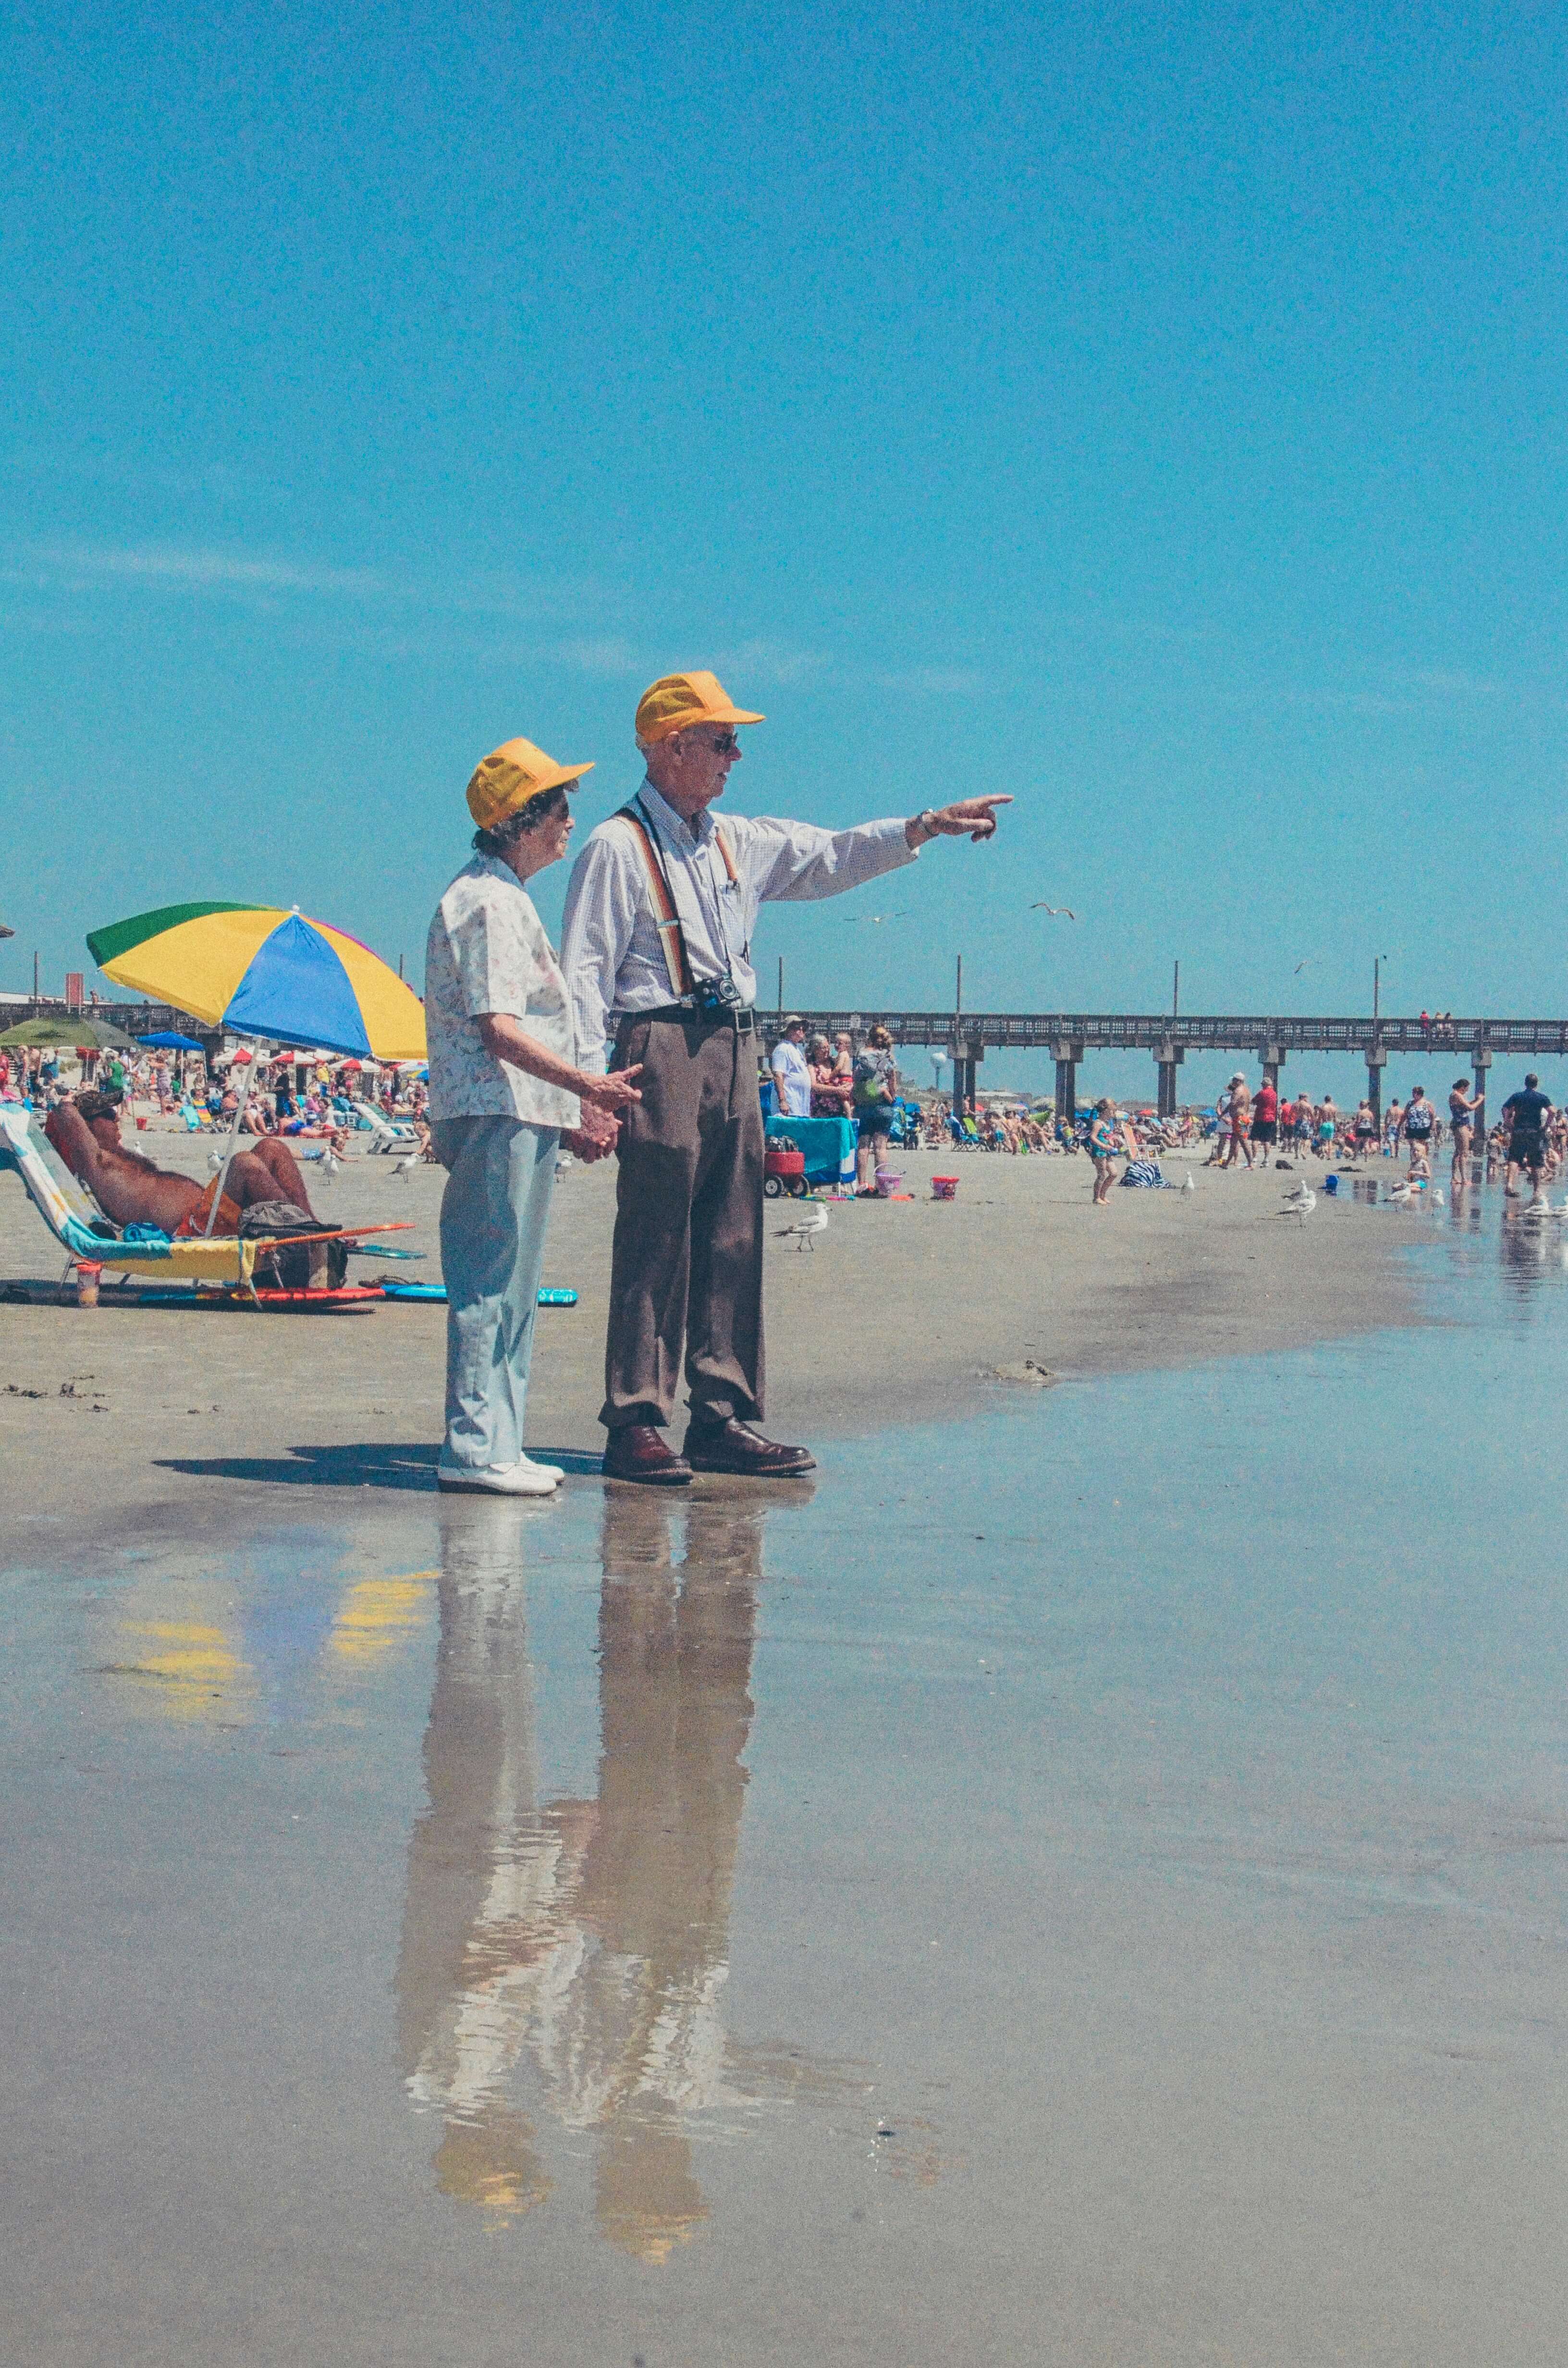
(1086, 1886)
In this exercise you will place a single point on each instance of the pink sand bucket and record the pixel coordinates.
(888, 1181)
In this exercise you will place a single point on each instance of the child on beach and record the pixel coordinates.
(1102, 1150)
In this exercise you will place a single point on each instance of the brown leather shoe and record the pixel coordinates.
(735, 1446)
(637, 1452)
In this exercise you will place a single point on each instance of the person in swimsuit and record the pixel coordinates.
(1221, 1129)
(131, 1190)
(1327, 1126)
(1240, 1121)
(1464, 1113)
(1102, 1151)
(1365, 1130)
(1420, 1118)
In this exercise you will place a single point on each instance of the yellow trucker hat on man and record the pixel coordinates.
(512, 777)
(676, 700)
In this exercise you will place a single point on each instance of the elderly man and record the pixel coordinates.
(791, 1078)
(656, 948)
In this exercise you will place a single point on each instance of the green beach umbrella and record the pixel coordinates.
(72, 1028)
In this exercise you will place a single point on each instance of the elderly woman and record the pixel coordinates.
(506, 1092)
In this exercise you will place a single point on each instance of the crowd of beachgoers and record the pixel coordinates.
(321, 1095)
(310, 1094)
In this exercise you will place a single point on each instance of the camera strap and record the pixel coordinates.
(666, 921)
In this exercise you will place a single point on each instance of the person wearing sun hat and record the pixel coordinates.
(505, 1091)
(656, 948)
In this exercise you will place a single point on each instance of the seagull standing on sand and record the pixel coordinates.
(1187, 1185)
(1301, 1202)
(402, 1166)
(805, 1232)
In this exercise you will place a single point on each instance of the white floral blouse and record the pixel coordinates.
(487, 951)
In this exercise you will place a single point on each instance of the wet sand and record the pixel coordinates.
(1037, 1892)
(1005, 1903)
(902, 1312)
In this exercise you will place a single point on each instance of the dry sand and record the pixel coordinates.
(901, 1311)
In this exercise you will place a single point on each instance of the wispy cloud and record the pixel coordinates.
(953, 682)
(399, 616)
(204, 570)
(766, 661)
(606, 655)
(1409, 691)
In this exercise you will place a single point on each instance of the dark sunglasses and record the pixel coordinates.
(724, 743)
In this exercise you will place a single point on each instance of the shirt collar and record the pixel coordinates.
(494, 868)
(674, 826)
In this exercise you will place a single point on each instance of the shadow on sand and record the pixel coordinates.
(359, 1463)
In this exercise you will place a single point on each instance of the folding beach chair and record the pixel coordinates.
(223, 1262)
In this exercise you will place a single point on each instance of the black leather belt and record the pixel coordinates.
(742, 1019)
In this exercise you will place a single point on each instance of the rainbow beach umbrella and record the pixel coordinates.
(259, 971)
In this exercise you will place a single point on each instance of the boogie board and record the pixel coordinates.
(437, 1292)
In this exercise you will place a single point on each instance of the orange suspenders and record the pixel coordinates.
(666, 921)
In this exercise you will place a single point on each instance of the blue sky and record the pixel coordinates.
(1157, 414)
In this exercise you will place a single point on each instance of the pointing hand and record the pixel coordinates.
(975, 815)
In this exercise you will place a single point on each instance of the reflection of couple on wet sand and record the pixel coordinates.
(590, 1938)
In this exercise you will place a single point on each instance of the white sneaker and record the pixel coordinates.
(520, 1479)
(551, 1472)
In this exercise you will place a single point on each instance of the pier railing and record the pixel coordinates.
(1267, 1037)
(1228, 1032)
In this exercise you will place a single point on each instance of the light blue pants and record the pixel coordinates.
(500, 1178)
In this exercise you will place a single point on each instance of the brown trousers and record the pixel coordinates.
(687, 1268)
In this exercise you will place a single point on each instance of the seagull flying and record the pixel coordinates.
(802, 1234)
(1299, 968)
(874, 920)
(1060, 912)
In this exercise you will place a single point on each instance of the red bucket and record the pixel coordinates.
(944, 1187)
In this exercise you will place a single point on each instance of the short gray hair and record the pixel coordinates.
(502, 835)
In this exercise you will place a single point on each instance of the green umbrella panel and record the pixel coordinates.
(73, 1029)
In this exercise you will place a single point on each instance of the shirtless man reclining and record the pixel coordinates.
(131, 1190)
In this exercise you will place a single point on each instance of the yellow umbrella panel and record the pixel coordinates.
(266, 973)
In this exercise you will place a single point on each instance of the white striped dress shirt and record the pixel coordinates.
(611, 949)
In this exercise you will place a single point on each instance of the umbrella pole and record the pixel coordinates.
(229, 1154)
